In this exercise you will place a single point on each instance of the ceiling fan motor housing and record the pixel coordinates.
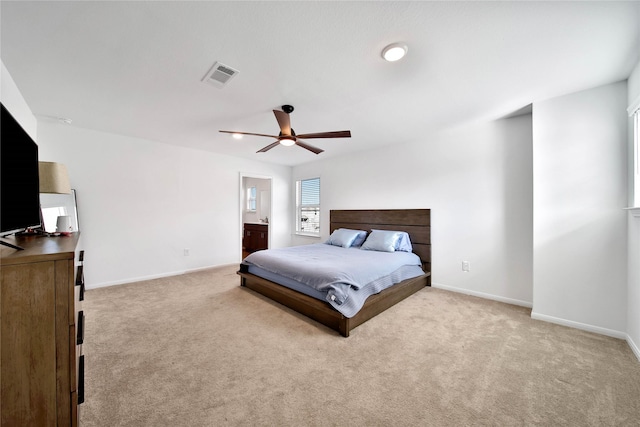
(287, 108)
(293, 133)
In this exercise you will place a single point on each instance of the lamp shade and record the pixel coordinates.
(54, 178)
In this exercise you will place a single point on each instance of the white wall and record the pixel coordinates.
(580, 190)
(633, 290)
(14, 102)
(141, 203)
(477, 181)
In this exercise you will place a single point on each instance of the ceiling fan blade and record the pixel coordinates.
(309, 147)
(284, 122)
(336, 134)
(268, 147)
(248, 133)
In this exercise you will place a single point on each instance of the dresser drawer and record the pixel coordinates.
(77, 305)
(80, 281)
(79, 276)
(80, 328)
(77, 291)
(73, 359)
(81, 379)
(77, 371)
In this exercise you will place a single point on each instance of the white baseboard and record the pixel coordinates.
(634, 347)
(483, 295)
(578, 325)
(154, 276)
(537, 316)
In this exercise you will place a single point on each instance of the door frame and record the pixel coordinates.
(241, 206)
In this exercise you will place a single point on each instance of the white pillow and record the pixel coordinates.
(404, 242)
(381, 240)
(362, 235)
(345, 237)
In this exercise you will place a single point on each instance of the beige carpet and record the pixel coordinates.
(199, 350)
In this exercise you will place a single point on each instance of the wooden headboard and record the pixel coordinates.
(416, 222)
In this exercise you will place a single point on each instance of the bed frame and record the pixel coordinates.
(416, 222)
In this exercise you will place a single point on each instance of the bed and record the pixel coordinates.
(415, 222)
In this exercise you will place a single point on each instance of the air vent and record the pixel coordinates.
(219, 75)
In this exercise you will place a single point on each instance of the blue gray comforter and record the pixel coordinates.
(346, 276)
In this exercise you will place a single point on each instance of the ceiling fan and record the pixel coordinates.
(288, 137)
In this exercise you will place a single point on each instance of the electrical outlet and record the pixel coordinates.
(186, 252)
(465, 266)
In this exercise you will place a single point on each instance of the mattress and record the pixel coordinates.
(343, 277)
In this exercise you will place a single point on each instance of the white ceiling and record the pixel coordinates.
(135, 68)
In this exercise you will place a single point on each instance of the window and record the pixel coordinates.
(308, 206)
(251, 199)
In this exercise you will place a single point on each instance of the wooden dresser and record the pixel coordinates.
(42, 364)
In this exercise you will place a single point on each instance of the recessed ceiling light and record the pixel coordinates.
(236, 136)
(394, 51)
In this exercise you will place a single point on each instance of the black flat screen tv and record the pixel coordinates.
(19, 178)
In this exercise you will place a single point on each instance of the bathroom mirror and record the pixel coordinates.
(56, 205)
(265, 204)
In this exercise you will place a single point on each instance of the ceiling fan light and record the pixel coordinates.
(287, 141)
(394, 52)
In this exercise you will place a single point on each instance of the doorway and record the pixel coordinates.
(255, 213)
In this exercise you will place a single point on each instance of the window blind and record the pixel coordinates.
(308, 206)
(310, 192)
